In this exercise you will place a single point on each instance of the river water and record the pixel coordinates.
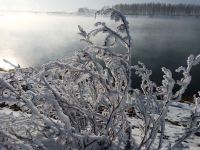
(32, 39)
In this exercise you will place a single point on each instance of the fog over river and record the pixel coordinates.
(33, 39)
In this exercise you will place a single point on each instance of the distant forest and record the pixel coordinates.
(151, 9)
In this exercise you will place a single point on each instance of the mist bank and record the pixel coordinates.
(32, 40)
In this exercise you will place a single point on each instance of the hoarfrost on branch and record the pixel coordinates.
(82, 102)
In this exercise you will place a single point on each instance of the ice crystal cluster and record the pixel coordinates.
(82, 102)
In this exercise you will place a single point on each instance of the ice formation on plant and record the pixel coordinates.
(82, 102)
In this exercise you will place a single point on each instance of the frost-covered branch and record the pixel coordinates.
(82, 102)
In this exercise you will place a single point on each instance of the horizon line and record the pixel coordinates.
(65, 11)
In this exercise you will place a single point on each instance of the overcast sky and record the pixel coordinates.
(73, 5)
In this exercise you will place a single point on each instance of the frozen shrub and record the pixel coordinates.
(82, 102)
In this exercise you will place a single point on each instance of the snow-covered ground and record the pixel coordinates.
(175, 125)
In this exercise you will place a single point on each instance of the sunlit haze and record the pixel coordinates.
(34, 38)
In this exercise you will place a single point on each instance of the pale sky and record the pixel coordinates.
(73, 5)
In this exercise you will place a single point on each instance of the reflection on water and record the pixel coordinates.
(33, 39)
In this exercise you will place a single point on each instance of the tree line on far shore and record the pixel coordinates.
(151, 9)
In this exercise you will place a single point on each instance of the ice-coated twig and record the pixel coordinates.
(11, 64)
(82, 102)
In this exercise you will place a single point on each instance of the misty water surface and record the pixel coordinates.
(33, 39)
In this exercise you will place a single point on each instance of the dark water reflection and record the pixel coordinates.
(167, 42)
(35, 39)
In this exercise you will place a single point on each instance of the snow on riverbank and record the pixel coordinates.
(175, 125)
